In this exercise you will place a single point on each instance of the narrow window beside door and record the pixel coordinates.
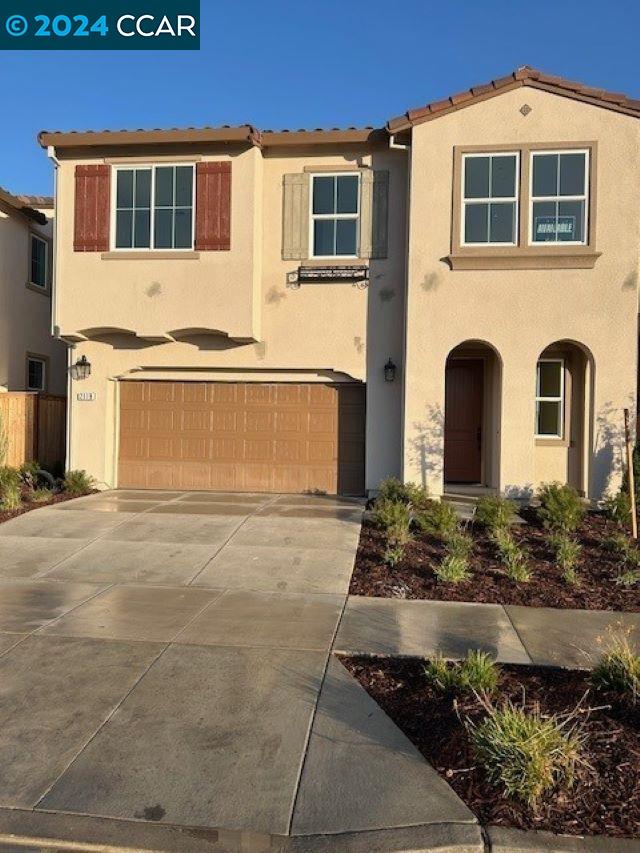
(154, 207)
(550, 398)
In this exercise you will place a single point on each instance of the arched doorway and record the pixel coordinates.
(472, 415)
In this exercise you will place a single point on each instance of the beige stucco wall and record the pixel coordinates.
(25, 314)
(320, 332)
(521, 312)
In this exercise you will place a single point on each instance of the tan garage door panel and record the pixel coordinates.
(242, 436)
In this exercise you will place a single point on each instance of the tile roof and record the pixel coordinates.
(27, 204)
(523, 76)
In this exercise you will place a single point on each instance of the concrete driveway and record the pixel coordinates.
(162, 659)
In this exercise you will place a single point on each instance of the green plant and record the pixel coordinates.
(4, 439)
(10, 488)
(394, 553)
(512, 556)
(628, 577)
(437, 518)
(453, 569)
(525, 752)
(567, 552)
(476, 673)
(78, 483)
(494, 512)
(40, 495)
(390, 514)
(618, 507)
(459, 543)
(395, 490)
(29, 469)
(619, 669)
(561, 507)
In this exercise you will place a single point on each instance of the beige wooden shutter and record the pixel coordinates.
(374, 216)
(295, 217)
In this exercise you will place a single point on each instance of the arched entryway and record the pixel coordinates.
(473, 382)
(564, 375)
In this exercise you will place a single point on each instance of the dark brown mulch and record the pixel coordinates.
(414, 577)
(27, 506)
(605, 799)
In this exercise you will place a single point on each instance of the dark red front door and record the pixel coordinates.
(463, 420)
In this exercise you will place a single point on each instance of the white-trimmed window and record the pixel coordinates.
(36, 373)
(38, 262)
(550, 398)
(335, 215)
(490, 199)
(154, 207)
(559, 194)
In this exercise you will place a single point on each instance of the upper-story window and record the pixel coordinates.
(38, 262)
(559, 196)
(490, 199)
(335, 213)
(154, 207)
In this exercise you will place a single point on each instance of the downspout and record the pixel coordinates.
(55, 328)
(406, 147)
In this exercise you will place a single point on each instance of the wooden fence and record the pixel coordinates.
(35, 425)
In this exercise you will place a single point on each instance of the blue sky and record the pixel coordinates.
(297, 64)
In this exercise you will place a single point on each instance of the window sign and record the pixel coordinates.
(552, 229)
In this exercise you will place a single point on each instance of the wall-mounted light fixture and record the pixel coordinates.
(389, 371)
(81, 369)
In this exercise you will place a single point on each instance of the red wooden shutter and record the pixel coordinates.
(93, 188)
(213, 206)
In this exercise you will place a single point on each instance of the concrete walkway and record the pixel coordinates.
(544, 636)
(165, 659)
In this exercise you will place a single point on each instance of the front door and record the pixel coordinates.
(464, 386)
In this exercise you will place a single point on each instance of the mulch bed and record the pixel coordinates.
(27, 506)
(414, 577)
(605, 799)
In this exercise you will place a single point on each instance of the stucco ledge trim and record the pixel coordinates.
(568, 261)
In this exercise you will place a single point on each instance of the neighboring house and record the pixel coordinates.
(31, 359)
(239, 293)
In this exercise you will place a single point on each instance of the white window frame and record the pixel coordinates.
(43, 362)
(559, 436)
(314, 216)
(559, 198)
(515, 199)
(114, 206)
(37, 237)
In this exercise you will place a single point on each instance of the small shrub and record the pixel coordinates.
(395, 490)
(453, 569)
(526, 753)
(618, 507)
(619, 669)
(10, 488)
(437, 518)
(567, 552)
(394, 553)
(459, 543)
(29, 469)
(561, 507)
(390, 514)
(618, 543)
(628, 577)
(78, 483)
(494, 512)
(476, 673)
(40, 495)
(512, 556)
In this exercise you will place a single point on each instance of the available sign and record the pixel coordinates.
(550, 228)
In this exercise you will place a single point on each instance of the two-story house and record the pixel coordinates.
(31, 359)
(451, 298)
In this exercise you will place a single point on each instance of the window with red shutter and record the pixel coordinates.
(92, 212)
(213, 206)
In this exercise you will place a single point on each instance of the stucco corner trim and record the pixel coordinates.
(522, 261)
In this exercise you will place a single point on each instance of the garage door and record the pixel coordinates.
(253, 437)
